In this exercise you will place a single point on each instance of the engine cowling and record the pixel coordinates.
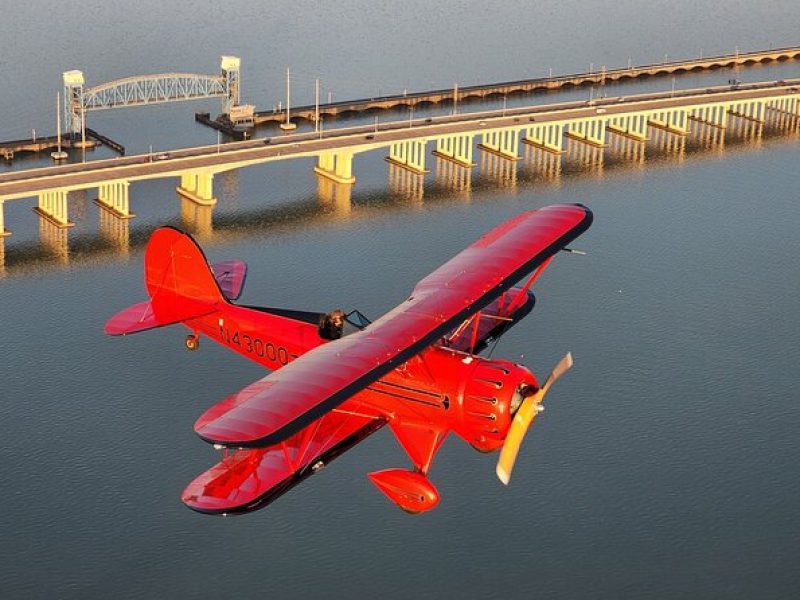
(491, 394)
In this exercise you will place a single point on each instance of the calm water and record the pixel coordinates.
(665, 465)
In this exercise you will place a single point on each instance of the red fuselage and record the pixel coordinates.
(442, 389)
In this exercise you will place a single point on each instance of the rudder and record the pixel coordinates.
(179, 281)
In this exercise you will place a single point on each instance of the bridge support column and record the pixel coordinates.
(198, 187)
(673, 121)
(113, 197)
(457, 149)
(786, 105)
(503, 142)
(336, 166)
(591, 132)
(3, 231)
(714, 115)
(752, 110)
(547, 137)
(408, 155)
(53, 207)
(633, 127)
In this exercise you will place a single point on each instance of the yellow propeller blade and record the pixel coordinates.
(523, 419)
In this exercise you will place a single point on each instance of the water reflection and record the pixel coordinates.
(55, 240)
(452, 178)
(406, 184)
(499, 170)
(334, 196)
(587, 159)
(197, 219)
(542, 164)
(114, 231)
(450, 183)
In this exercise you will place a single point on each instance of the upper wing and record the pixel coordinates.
(287, 400)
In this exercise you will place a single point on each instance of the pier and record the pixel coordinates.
(8, 150)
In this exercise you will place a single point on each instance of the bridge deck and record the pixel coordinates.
(21, 184)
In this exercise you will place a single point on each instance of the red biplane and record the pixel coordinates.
(338, 378)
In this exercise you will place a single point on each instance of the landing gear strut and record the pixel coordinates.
(192, 342)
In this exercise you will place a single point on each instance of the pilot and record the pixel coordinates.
(331, 325)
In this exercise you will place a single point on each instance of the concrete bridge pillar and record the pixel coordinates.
(114, 198)
(785, 105)
(337, 166)
(674, 121)
(409, 155)
(198, 186)
(633, 127)
(456, 149)
(502, 142)
(3, 231)
(547, 137)
(751, 110)
(53, 207)
(591, 132)
(714, 115)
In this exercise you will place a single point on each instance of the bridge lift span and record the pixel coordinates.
(148, 89)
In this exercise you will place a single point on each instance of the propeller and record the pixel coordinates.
(523, 418)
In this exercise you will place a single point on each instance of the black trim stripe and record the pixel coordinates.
(406, 398)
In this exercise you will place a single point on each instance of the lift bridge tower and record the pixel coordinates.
(148, 89)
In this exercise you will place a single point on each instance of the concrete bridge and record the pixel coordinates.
(595, 77)
(453, 139)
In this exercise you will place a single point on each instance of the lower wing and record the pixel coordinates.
(250, 478)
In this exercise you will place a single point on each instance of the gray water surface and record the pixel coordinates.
(665, 465)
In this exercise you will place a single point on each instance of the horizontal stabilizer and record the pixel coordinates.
(140, 317)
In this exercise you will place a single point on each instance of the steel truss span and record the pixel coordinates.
(153, 89)
(147, 89)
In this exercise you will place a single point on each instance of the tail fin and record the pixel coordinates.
(179, 281)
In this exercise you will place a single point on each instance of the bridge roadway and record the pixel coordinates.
(544, 126)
